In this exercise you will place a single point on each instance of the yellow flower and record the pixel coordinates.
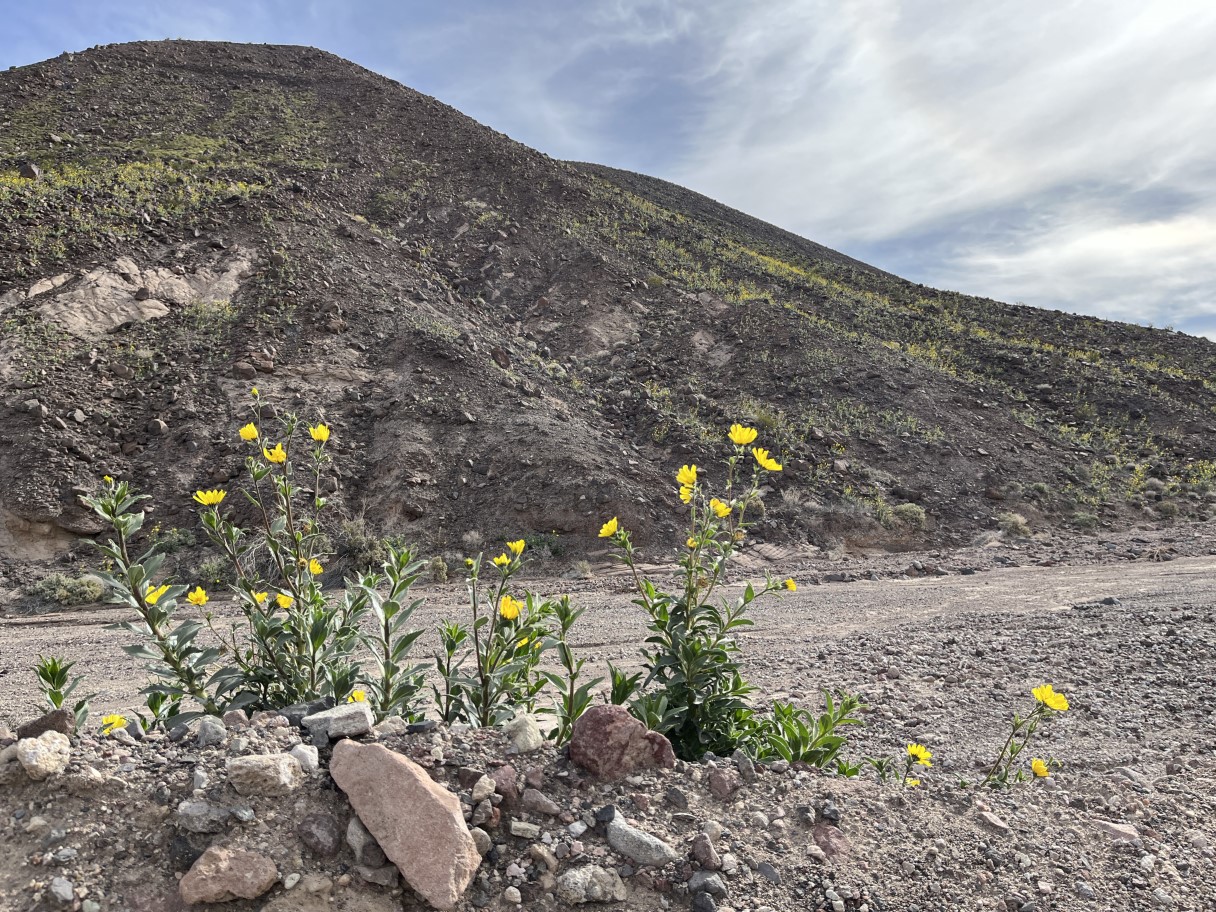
(314, 567)
(254, 391)
(692, 543)
(920, 754)
(509, 607)
(357, 696)
(911, 783)
(687, 476)
(1046, 695)
(152, 596)
(278, 454)
(468, 562)
(765, 460)
(686, 493)
(112, 722)
(1039, 768)
(740, 435)
(249, 432)
(501, 561)
(320, 433)
(107, 479)
(259, 597)
(790, 585)
(211, 498)
(721, 510)
(516, 547)
(197, 597)
(608, 529)
(284, 600)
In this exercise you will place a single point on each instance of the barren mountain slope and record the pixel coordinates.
(503, 342)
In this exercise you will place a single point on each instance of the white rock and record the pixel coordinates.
(44, 756)
(310, 762)
(265, 774)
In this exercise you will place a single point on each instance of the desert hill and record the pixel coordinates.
(508, 343)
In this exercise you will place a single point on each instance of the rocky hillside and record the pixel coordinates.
(507, 343)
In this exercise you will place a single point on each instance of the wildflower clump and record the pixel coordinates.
(693, 691)
(1005, 770)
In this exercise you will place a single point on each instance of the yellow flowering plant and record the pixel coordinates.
(1005, 770)
(488, 667)
(693, 691)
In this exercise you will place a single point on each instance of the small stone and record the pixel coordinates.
(265, 775)
(309, 760)
(525, 830)
(591, 883)
(723, 783)
(638, 845)
(768, 872)
(512, 895)
(222, 875)
(291, 880)
(703, 902)
(706, 882)
(236, 718)
(676, 798)
(321, 833)
(704, 853)
(211, 731)
(482, 840)
(994, 821)
(1084, 890)
(482, 789)
(44, 756)
(383, 876)
(524, 732)
(363, 844)
(60, 720)
(539, 803)
(1120, 832)
(348, 720)
(197, 815)
(63, 889)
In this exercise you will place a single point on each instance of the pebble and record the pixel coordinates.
(512, 895)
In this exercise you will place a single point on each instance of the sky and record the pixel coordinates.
(1058, 153)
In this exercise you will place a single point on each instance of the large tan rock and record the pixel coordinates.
(44, 756)
(222, 875)
(268, 775)
(417, 822)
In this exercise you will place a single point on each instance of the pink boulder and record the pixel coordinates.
(610, 743)
(222, 875)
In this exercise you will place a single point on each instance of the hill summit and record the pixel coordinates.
(504, 343)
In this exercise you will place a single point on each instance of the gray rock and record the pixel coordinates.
(63, 889)
(211, 731)
(60, 720)
(482, 840)
(384, 876)
(524, 830)
(306, 754)
(321, 834)
(483, 788)
(706, 882)
(768, 872)
(705, 854)
(538, 803)
(703, 902)
(639, 846)
(591, 883)
(363, 844)
(348, 720)
(197, 815)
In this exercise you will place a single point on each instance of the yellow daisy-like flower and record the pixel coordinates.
(253, 391)
(259, 597)
(212, 498)
(1039, 768)
(197, 596)
(509, 608)
(152, 596)
(278, 454)
(686, 494)
(320, 433)
(790, 585)
(249, 432)
(284, 600)
(1046, 695)
(516, 547)
(742, 436)
(501, 561)
(608, 529)
(314, 567)
(357, 696)
(692, 543)
(112, 723)
(920, 754)
(687, 476)
(766, 461)
(107, 479)
(721, 510)
(912, 783)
